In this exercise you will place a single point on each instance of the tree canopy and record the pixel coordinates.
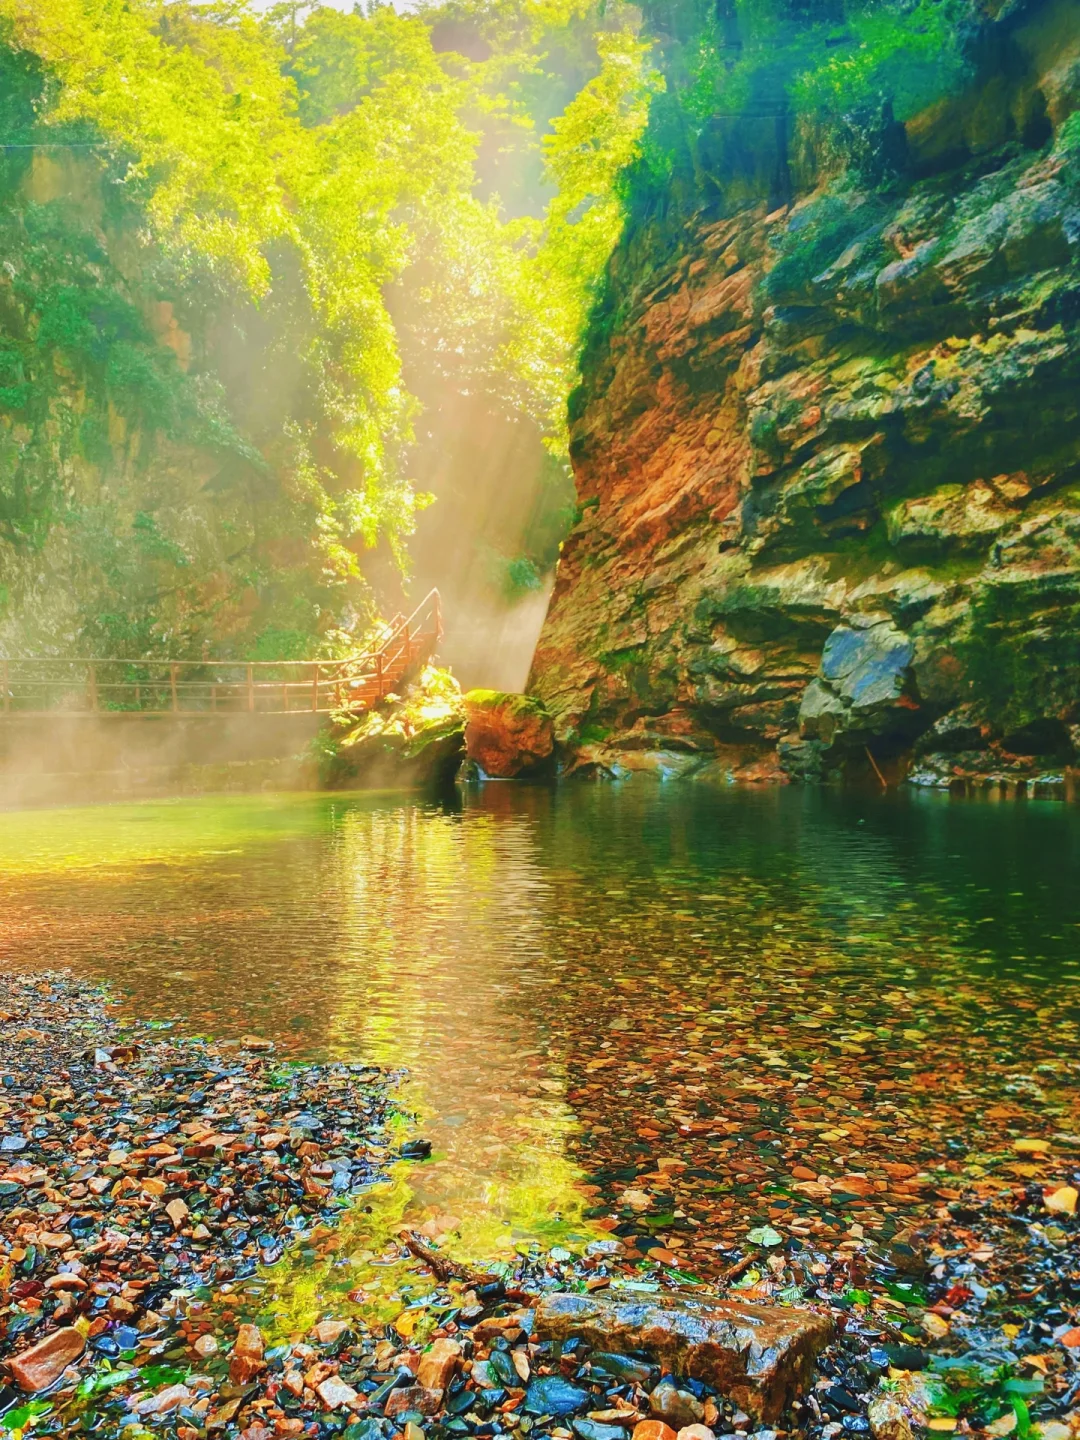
(272, 183)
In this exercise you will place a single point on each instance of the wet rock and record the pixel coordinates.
(507, 735)
(622, 1367)
(413, 1397)
(696, 1432)
(596, 1430)
(551, 1395)
(503, 1368)
(246, 1359)
(888, 1418)
(165, 1400)
(329, 1332)
(483, 1375)
(676, 1407)
(43, 1364)
(867, 458)
(413, 739)
(653, 1430)
(862, 684)
(439, 1364)
(906, 1357)
(842, 1399)
(759, 1356)
(366, 1429)
(334, 1393)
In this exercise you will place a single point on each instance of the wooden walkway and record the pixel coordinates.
(62, 686)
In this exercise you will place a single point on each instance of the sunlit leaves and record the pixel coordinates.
(282, 178)
(589, 147)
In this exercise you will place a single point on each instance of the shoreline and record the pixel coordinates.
(138, 1292)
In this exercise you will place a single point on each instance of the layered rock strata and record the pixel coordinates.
(828, 467)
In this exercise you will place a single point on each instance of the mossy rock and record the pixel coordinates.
(412, 741)
(508, 735)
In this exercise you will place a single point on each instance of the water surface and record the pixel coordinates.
(670, 1013)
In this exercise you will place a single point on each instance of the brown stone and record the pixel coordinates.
(509, 1326)
(888, 1418)
(327, 1332)
(249, 1342)
(759, 1356)
(164, 1401)
(334, 1393)
(413, 1397)
(44, 1363)
(653, 1430)
(64, 1281)
(438, 1364)
(246, 1359)
(678, 1408)
(507, 735)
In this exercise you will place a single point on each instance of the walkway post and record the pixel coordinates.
(91, 685)
(250, 687)
(172, 688)
(4, 681)
(315, 686)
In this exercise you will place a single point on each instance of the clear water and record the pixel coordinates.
(586, 981)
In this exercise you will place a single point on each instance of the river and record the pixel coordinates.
(667, 1013)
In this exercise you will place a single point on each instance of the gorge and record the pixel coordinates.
(825, 447)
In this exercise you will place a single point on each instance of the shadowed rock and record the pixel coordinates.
(760, 1356)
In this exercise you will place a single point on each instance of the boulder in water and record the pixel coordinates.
(508, 735)
(760, 1356)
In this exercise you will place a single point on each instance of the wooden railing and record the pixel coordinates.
(58, 685)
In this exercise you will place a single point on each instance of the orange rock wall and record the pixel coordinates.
(827, 463)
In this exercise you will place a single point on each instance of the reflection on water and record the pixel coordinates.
(581, 981)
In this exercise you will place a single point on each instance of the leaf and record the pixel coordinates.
(104, 1380)
(1024, 1387)
(154, 1376)
(910, 1294)
(683, 1276)
(1063, 1200)
(25, 1415)
(765, 1235)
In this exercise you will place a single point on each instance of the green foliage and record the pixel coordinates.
(812, 240)
(1022, 652)
(203, 418)
(522, 576)
(748, 78)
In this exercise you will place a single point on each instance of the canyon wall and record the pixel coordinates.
(827, 454)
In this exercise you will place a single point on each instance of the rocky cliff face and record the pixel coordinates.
(828, 466)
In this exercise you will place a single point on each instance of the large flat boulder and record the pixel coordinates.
(761, 1356)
